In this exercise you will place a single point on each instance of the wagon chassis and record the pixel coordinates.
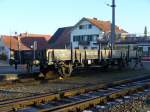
(76, 58)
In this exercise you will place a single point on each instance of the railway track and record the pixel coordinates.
(76, 99)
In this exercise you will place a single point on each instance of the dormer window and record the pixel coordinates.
(81, 27)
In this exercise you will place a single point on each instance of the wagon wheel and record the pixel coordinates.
(65, 70)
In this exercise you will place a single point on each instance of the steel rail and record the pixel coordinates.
(83, 104)
(16, 104)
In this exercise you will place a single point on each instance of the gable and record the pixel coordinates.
(104, 26)
(84, 22)
(61, 37)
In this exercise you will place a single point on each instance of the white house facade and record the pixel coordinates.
(4, 50)
(85, 35)
(87, 32)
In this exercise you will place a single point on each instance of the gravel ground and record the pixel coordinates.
(140, 104)
(77, 80)
(11, 95)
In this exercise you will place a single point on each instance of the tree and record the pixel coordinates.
(145, 31)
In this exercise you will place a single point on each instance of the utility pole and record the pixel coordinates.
(113, 25)
(34, 48)
(10, 47)
(19, 45)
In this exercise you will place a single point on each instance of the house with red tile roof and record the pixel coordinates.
(85, 34)
(24, 44)
(26, 34)
(9, 44)
(41, 40)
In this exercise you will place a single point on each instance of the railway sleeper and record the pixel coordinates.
(126, 91)
(82, 105)
(37, 102)
(86, 104)
(18, 106)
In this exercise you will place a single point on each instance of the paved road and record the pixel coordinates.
(7, 69)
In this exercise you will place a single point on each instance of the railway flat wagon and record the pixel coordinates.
(64, 61)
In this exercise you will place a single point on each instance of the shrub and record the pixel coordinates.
(3, 56)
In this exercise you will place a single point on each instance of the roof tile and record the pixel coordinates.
(26, 41)
(104, 25)
(61, 37)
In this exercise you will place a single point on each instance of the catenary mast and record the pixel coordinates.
(113, 24)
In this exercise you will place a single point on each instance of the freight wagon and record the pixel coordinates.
(64, 61)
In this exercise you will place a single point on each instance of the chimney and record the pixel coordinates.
(27, 34)
(95, 18)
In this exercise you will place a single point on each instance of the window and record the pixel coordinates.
(76, 38)
(81, 27)
(97, 35)
(94, 47)
(149, 49)
(89, 26)
(140, 48)
(2, 48)
(76, 47)
(81, 38)
(90, 38)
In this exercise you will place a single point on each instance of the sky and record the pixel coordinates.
(46, 16)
